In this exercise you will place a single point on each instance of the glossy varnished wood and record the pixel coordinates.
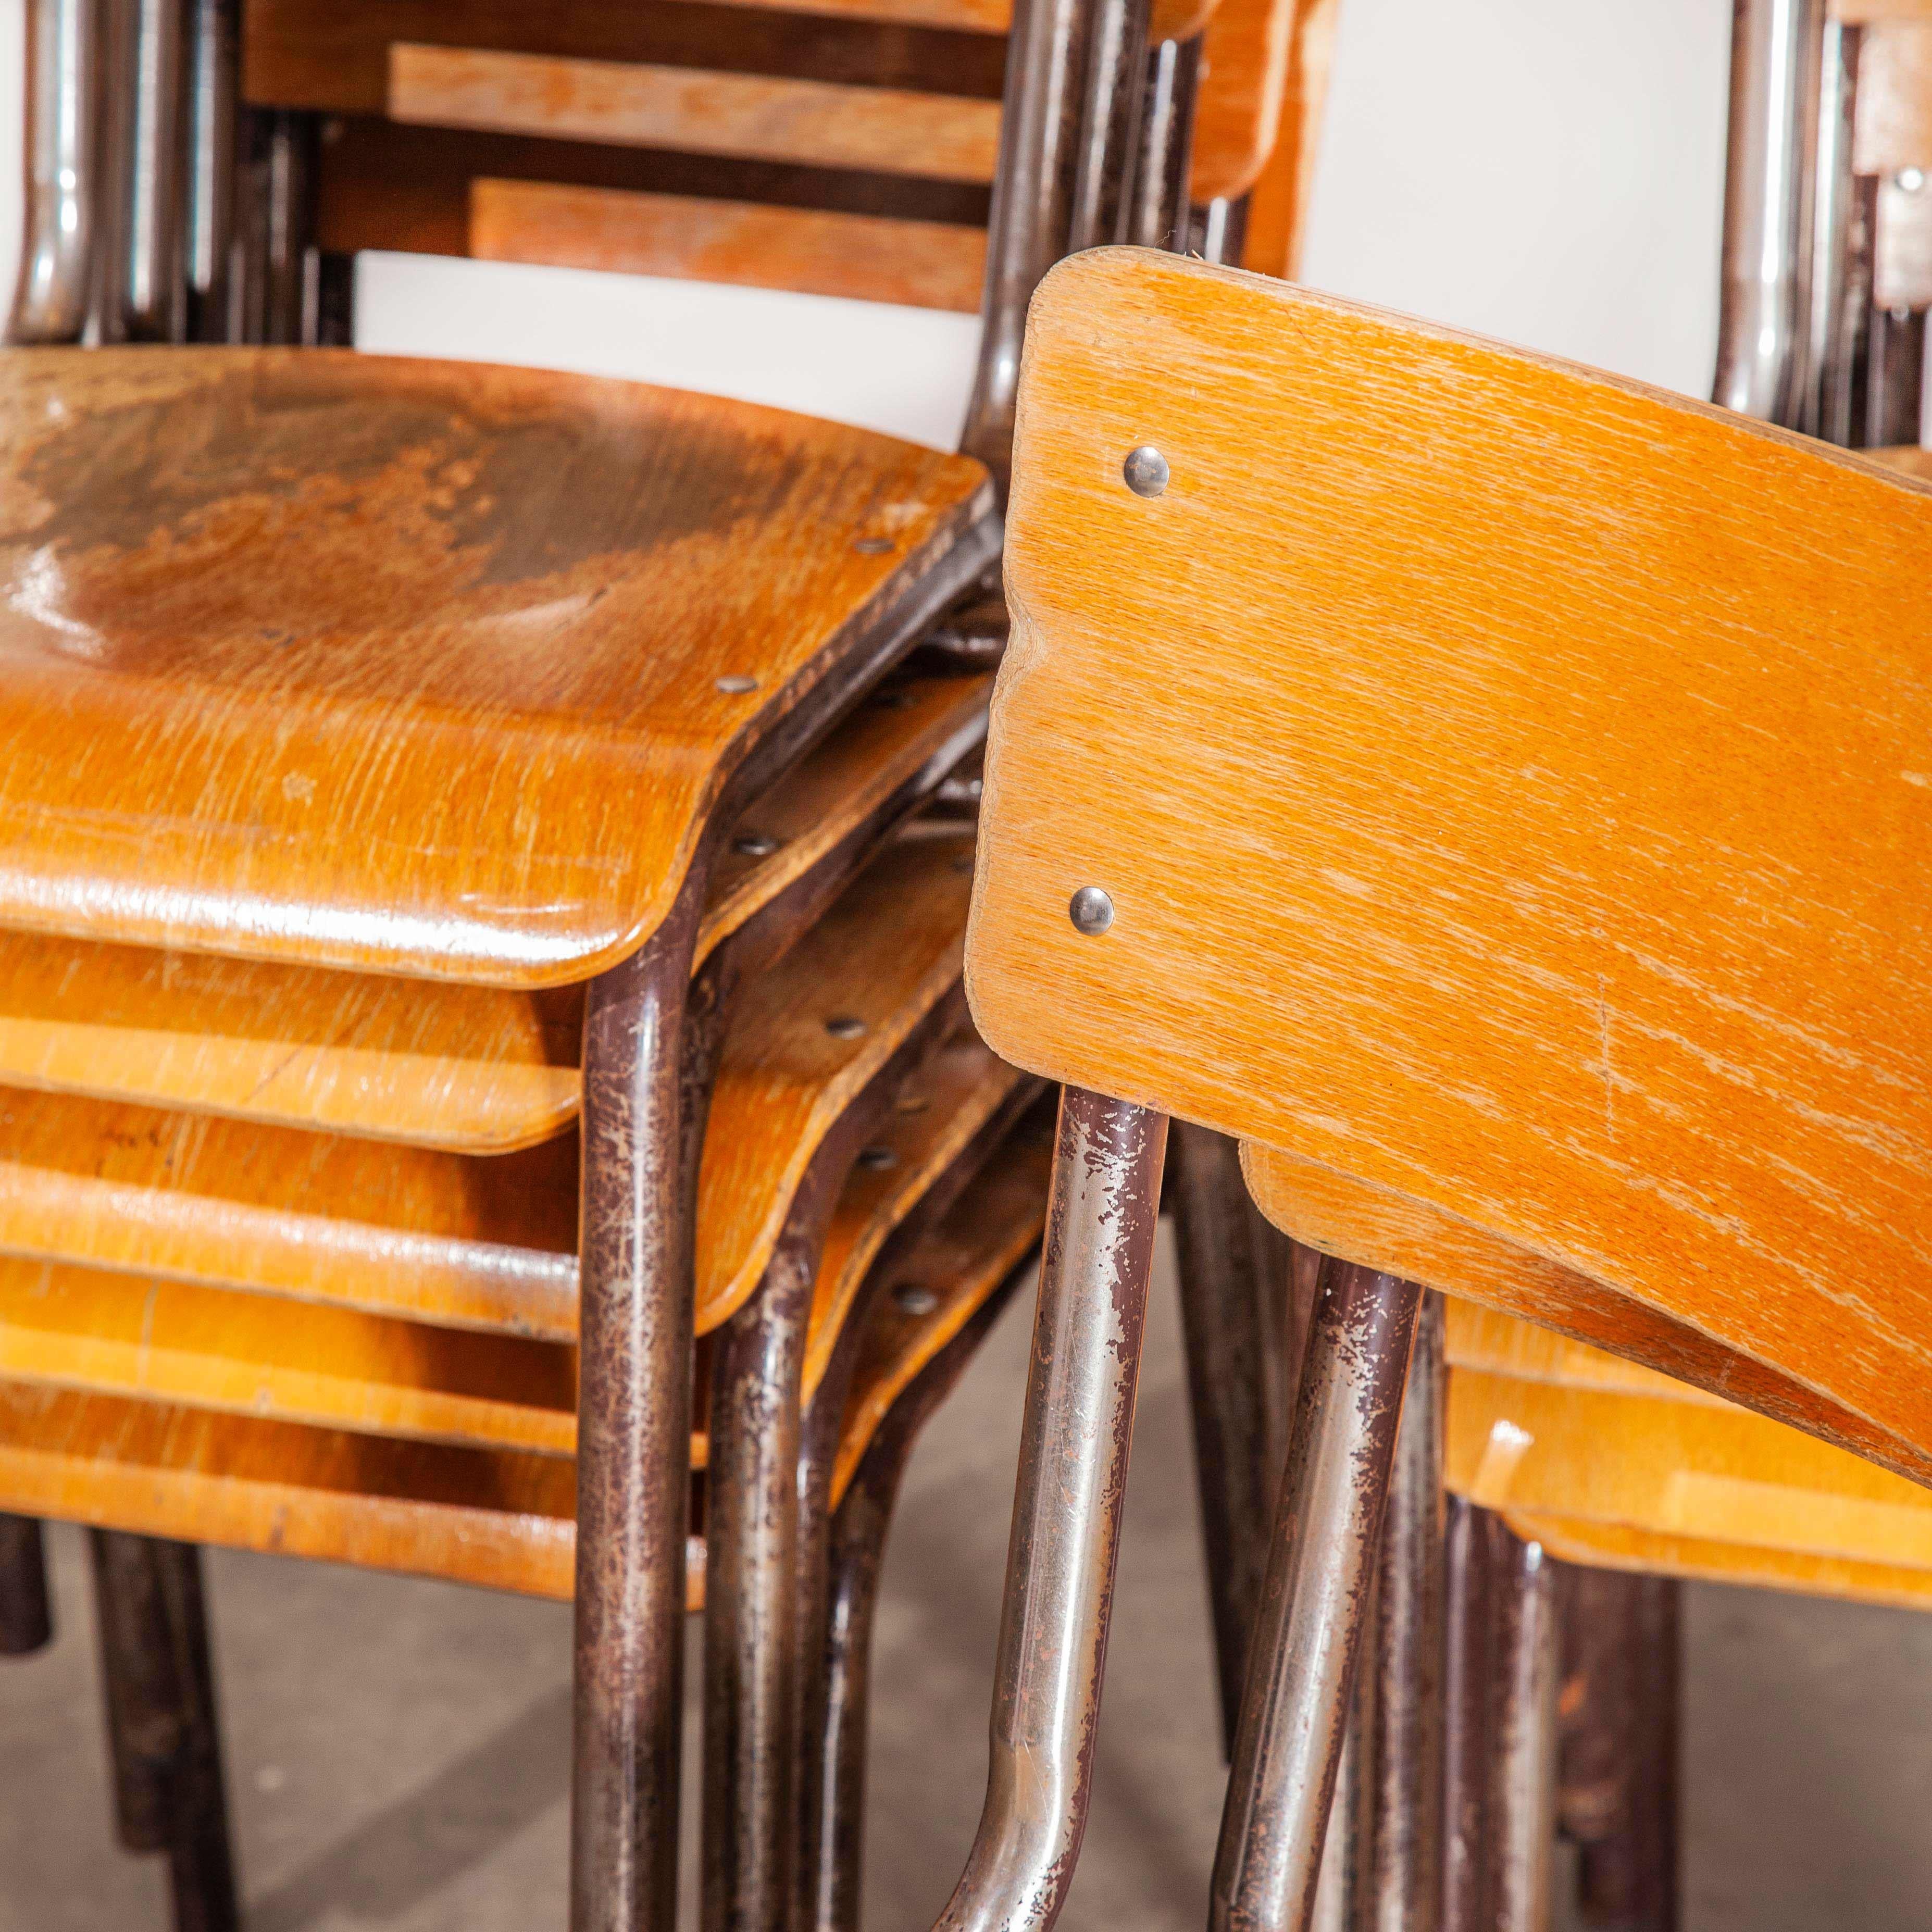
(473, 1068)
(815, 251)
(429, 669)
(1528, 802)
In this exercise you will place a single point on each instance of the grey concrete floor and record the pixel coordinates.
(398, 1749)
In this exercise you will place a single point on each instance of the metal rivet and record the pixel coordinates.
(736, 687)
(1909, 181)
(912, 1297)
(875, 546)
(877, 1159)
(1145, 470)
(1091, 911)
(754, 844)
(845, 1026)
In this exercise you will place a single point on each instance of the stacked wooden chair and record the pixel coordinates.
(483, 1074)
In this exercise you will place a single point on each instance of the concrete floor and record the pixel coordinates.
(398, 1750)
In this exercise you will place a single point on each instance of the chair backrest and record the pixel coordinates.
(1508, 787)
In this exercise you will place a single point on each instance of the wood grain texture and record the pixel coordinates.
(1678, 1467)
(1612, 1547)
(1180, 20)
(1515, 799)
(882, 961)
(1492, 1343)
(1893, 126)
(989, 1231)
(397, 665)
(334, 59)
(1278, 201)
(1237, 112)
(863, 257)
(825, 124)
(477, 1069)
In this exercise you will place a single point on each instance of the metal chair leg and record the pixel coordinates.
(170, 1793)
(1523, 1762)
(25, 1621)
(633, 1440)
(1074, 1442)
(1235, 1293)
(1301, 1670)
(1617, 1744)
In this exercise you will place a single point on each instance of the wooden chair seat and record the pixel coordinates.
(428, 669)
(484, 1069)
(490, 1241)
(1489, 1343)
(502, 1518)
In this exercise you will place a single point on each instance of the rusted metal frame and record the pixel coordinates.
(1617, 1744)
(276, 289)
(1301, 1669)
(1076, 1431)
(209, 248)
(1405, 1772)
(751, 1699)
(1342, 1887)
(1157, 210)
(61, 216)
(1472, 1540)
(1523, 1758)
(818, 1446)
(1115, 101)
(835, 1729)
(1233, 1270)
(162, 1729)
(26, 1622)
(144, 283)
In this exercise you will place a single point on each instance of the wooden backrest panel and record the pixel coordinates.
(1278, 197)
(1237, 116)
(1512, 784)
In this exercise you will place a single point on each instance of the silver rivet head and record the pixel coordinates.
(877, 1159)
(1910, 180)
(1091, 911)
(754, 844)
(1145, 470)
(913, 1297)
(845, 1026)
(736, 687)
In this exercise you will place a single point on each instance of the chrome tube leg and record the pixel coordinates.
(170, 1792)
(1404, 1884)
(61, 217)
(1617, 1744)
(1342, 1887)
(634, 1437)
(1470, 1545)
(1074, 1442)
(1301, 1669)
(1232, 1265)
(214, 158)
(1523, 1759)
(1157, 208)
(26, 1622)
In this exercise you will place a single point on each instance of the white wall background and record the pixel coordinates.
(1545, 171)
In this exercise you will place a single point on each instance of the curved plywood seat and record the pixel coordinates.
(501, 1519)
(484, 1069)
(1489, 1342)
(1237, 114)
(1721, 1474)
(435, 669)
(490, 1241)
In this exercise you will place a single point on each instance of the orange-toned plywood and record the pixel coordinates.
(1680, 1469)
(867, 257)
(1489, 1342)
(1911, 457)
(1612, 1547)
(885, 130)
(473, 1068)
(395, 665)
(1278, 201)
(989, 1231)
(1180, 20)
(1237, 112)
(1871, 11)
(1515, 799)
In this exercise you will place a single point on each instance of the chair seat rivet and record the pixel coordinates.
(911, 1297)
(874, 546)
(1091, 911)
(754, 844)
(736, 687)
(877, 1159)
(845, 1026)
(1145, 470)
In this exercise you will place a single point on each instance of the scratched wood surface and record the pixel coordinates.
(699, 110)
(481, 748)
(1679, 1469)
(813, 251)
(1278, 200)
(1515, 799)
(1237, 112)
(1614, 1546)
(478, 1069)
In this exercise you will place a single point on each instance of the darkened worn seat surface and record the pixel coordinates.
(416, 668)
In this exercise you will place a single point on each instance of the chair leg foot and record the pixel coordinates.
(26, 1623)
(1308, 1633)
(164, 1733)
